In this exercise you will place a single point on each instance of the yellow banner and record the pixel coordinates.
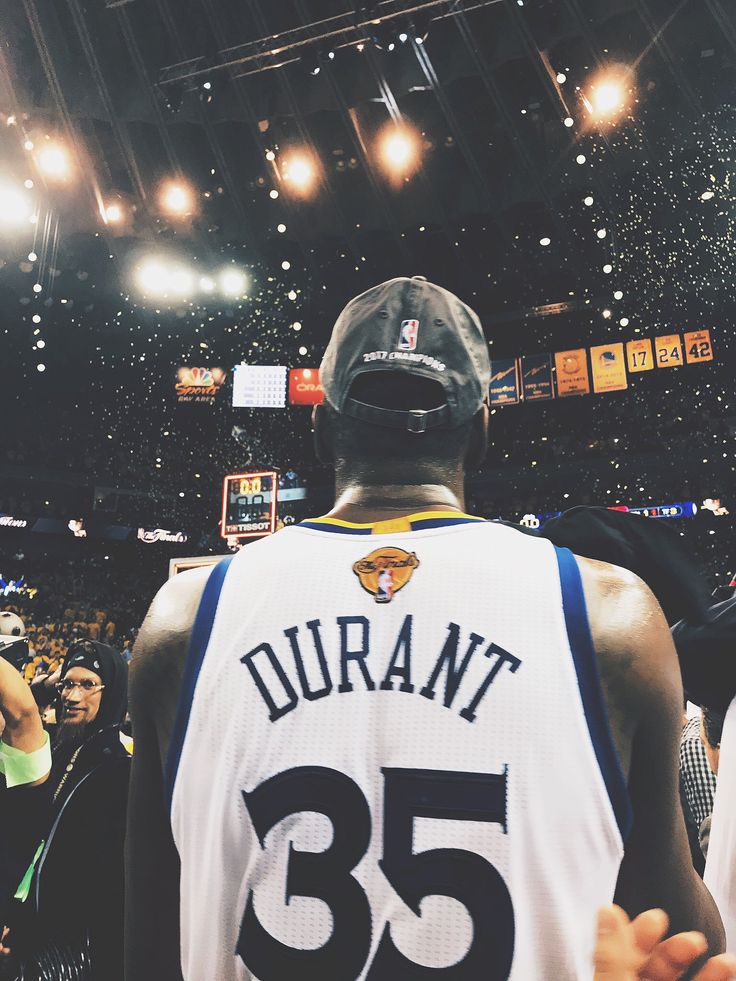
(698, 347)
(572, 372)
(639, 355)
(609, 368)
(669, 351)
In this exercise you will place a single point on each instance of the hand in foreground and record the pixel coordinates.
(4, 951)
(635, 951)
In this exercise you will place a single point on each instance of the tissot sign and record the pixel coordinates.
(304, 387)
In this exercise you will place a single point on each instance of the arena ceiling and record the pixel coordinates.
(204, 89)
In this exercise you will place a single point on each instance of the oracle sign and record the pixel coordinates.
(304, 387)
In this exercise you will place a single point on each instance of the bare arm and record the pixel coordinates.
(23, 728)
(642, 683)
(151, 860)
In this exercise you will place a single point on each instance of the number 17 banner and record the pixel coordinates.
(639, 355)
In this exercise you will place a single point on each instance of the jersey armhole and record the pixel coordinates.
(591, 691)
(195, 656)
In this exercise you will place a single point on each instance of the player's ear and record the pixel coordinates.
(478, 443)
(322, 434)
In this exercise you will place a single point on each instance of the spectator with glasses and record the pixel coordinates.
(71, 923)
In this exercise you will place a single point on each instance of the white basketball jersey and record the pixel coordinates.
(394, 783)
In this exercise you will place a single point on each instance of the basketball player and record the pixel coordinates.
(446, 784)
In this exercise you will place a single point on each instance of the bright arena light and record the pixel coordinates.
(177, 198)
(207, 284)
(608, 97)
(53, 161)
(152, 276)
(232, 282)
(15, 205)
(299, 171)
(609, 93)
(113, 214)
(399, 150)
(161, 279)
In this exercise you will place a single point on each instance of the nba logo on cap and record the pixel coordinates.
(408, 335)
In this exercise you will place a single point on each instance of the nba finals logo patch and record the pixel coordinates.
(385, 571)
(408, 335)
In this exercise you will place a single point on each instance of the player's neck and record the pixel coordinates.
(363, 503)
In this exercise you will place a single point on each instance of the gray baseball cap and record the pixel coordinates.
(410, 326)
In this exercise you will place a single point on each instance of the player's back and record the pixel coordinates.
(365, 787)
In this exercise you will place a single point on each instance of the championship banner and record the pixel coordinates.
(304, 387)
(504, 389)
(536, 376)
(572, 372)
(669, 351)
(199, 384)
(639, 355)
(609, 368)
(698, 347)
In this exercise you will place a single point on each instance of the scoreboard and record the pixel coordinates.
(249, 504)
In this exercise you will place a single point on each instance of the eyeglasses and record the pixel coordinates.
(86, 685)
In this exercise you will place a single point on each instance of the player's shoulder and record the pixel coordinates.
(629, 629)
(162, 643)
(614, 590)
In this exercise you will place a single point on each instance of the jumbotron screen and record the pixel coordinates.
(249, 504)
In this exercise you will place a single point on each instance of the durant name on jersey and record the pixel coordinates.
(317, 656)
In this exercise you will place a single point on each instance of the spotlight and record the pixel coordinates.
(157, 278)
(609, 93)
(569, 121)
(53, 161)
(399, 149)
(281, 228)
(15, 205)
(561, 77)
(299, 171)
(606, 314)
(580, 159)
(544, 241)
(177, 199)
(232, 282)
(588, 201)
(302, 350)
(207, 284)
(113, 214)
(151, 277)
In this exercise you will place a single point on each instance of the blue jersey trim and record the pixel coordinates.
(591, 691)
(197, 647)
(339, 529)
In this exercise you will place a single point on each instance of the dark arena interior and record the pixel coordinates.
(192, 190)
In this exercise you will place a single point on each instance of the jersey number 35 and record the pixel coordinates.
(454, 872)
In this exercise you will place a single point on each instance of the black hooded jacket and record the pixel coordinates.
(77, 890)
